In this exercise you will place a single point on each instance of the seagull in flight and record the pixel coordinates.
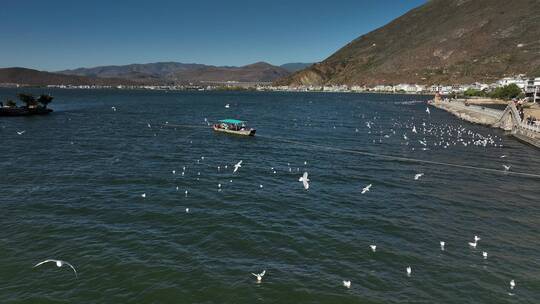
(477, 238)
(512, 284)
(366, 188)
(238, 165)
(59, 263)
(149, 126)
(373, 247)
(427, 110)
(442, 243)
(143, 195)
(21, 132)
(506, 168)
(418, 175)
(347, 284)
(227, 106)
(473, 244)
(305, 180)
(484, 254)
(414, 129)
(259, 276)
(409, 271)
(113, 108)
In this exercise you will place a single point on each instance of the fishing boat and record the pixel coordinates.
(233, 126)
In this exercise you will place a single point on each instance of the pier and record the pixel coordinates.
(507, 119)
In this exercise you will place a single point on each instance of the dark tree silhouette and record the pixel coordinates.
(45, 100)
(28, 99)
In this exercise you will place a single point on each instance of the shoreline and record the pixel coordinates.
(507, 119)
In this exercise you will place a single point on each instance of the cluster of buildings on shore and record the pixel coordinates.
(529, 86)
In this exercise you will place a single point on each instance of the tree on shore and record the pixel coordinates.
(45, 100)
(28, 99)
(507, 92)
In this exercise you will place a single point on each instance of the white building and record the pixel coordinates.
(532, 89)
(519, 80)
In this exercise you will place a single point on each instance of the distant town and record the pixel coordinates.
(530, 87)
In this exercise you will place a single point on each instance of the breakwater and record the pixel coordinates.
(507, 119)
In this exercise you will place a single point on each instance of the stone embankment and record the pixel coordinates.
(508, 120)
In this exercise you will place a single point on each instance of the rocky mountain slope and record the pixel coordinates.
(442, 41)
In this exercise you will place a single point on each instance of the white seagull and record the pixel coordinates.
(187, 210)
(366, 188)
(113, 108)
(473, 244)
(227, 106)
(427, 110)
(305, 180)
(143, 195)
(442, 245)
(512, 284)
(476, 238)
(347, 284)
(418, 175)
(259, 276)
(409, 271)
(149, 126)
(59, 263)
(238, 165)
(21, 132)
(414, 129)
(484, 254)
(373, 247)
(506, 168)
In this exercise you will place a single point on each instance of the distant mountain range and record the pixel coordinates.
(175, 72)
(442, 41)
(38, 78)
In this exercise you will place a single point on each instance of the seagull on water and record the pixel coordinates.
(21, 132)
(347, 284)
(418, 175)
(187, 210)
(409, 271)
(238, 165)
(473, 244)
(484, 254)
(305, 180)
(366, 188)
(503, 156)
(442, 245)
(259, 276)
(373, 247)
(186, 192)
(59, 263)
(227, 106)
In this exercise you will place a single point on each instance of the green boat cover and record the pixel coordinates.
(232, 121)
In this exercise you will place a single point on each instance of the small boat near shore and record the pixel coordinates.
(233, 126)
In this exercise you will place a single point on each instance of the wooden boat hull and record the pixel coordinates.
(24, 111)
(250, 132)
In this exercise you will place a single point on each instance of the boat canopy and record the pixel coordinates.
(232, 121)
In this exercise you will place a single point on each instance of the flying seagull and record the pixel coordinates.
(21, 132)
(473, 244)
(259, 276)
(442, 245)
(512, 284)
(347, 284)
(238, 165)
(506, 168)
(305, 180)
(113, 108)
(149, 126)
(366, 188)
(418, 175)
(227, 106)
(143, 195)
(427, 110)
(409, 271)
(484, 254)
(373, 247)
(59, 263)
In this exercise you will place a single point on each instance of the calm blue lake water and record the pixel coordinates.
(72, 185)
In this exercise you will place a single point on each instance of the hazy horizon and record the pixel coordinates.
(69, 35)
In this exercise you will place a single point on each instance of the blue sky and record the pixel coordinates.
(60, 34)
